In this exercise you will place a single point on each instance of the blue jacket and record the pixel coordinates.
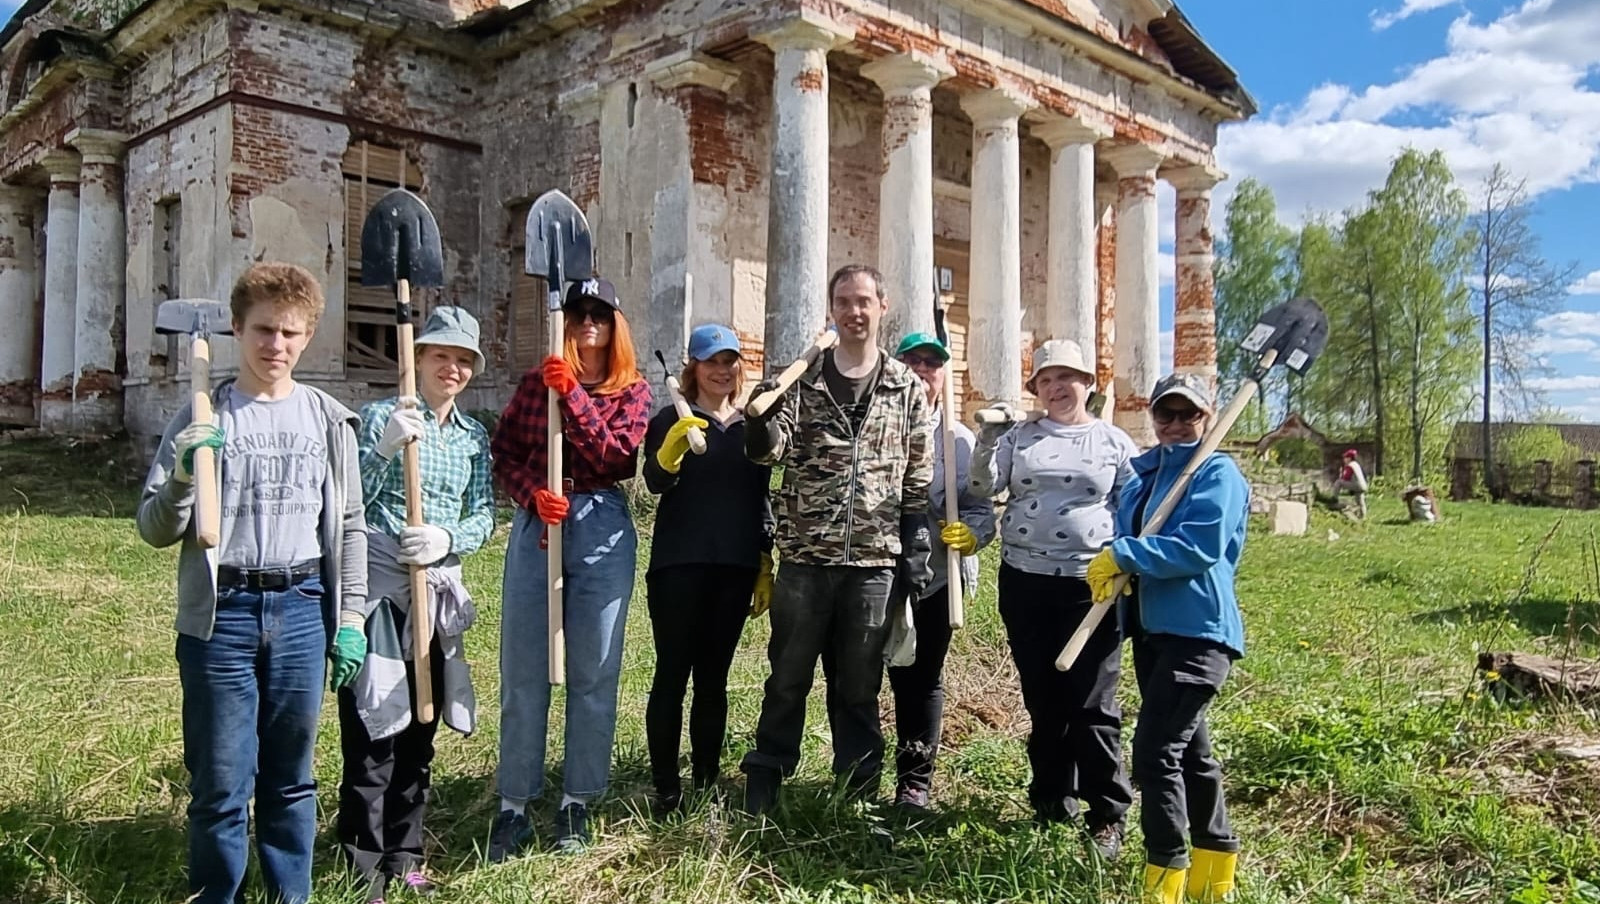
(1186, 570)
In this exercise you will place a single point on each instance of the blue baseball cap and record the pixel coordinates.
(710, 339)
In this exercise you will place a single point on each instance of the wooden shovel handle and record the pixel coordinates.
(758, 406)
(697, 437)
(555, 580)
(411, 464)
(952, 500)
(207, 505)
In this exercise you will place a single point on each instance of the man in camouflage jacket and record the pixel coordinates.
(854, 437)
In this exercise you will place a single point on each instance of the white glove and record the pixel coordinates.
(186, 442)
(990, 434)
(423, 545)
(404, 426)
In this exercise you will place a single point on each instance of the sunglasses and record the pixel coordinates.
(914, 360)
(599, 313)
(1168, 415)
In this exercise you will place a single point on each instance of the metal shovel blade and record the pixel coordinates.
(194, 317)
(400, 240)
(1297, 330)
(557, 240)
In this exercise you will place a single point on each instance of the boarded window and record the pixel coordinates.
(530, 340)
(370, 171)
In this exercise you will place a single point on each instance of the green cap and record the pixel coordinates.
(921, 340)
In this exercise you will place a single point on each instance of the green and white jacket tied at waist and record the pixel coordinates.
(383, 698)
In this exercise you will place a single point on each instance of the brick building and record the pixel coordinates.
(1007, 150)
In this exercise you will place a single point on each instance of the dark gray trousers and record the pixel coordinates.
(837, 611)
(1179, 779)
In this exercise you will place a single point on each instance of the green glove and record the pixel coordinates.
(190, 438)
(348, 653)
(676, 444)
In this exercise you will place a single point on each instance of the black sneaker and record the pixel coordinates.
(572, 829)
(761, 786)
(1107, 841)
(665, 803)
(510, 833)
(908, 797)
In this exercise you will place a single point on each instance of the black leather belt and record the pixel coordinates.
(280, 578)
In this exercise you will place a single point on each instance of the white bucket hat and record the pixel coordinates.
(1060, 353)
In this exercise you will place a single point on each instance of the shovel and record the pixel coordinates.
(400, 248)
(1293, 333)
(559, 248)
(952, 501)
(200, 318)
(696, 436)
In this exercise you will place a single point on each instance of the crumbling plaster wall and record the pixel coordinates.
(258, 179)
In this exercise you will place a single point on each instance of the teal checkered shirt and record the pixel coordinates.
(457, 494)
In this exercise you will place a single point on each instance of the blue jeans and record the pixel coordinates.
(251, 698)
(598, 550)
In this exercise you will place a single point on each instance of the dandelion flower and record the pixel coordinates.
(1491, 676)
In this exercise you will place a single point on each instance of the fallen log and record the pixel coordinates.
(1537, 676)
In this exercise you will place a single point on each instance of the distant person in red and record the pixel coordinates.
(1353, 481)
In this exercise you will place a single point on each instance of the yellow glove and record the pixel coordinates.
(958, 537)
(766, 573)
(676, 445)
(1102, 576)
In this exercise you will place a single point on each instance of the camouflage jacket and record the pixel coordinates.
(843, 492)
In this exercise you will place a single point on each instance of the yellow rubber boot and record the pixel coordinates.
(1163, 884)
(1211, 875)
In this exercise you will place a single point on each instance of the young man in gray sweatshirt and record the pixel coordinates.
(257, 614)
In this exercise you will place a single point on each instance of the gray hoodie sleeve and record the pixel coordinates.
(165, 505)
(353, 555)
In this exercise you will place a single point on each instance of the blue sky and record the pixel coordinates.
(1344, 86)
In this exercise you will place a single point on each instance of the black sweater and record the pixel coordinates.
(716, 510)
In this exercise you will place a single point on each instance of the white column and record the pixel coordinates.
(1194, 316)
(797, 190)
(102, 275)
(1072, 288)
(56, 366)
(19, 307)
(995, 272)
(1138, 345)
(905, 195)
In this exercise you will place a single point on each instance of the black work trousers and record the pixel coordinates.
(1075, 747)
(697, 613)
(1179, 779)
(384, 790)
(919, 693)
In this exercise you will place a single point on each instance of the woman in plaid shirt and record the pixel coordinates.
(387, 754)
(605, 407)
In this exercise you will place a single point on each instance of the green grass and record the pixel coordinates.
(1367, 760)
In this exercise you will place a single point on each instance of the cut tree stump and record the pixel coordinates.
(1542, 676)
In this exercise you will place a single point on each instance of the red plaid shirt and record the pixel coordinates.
(603, 433)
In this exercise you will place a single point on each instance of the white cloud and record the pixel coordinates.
(1580, 383)
(1165, 356)
(1570, 323)
(1168, 267)
(1564, 345)
(1514, 90)
(1589, 285)
(1382, 20)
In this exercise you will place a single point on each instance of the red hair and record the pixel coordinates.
(622, 366)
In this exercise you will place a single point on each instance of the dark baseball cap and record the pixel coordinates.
(596, 288)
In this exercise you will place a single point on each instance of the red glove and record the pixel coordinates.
(552, 509)
(558, 375)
